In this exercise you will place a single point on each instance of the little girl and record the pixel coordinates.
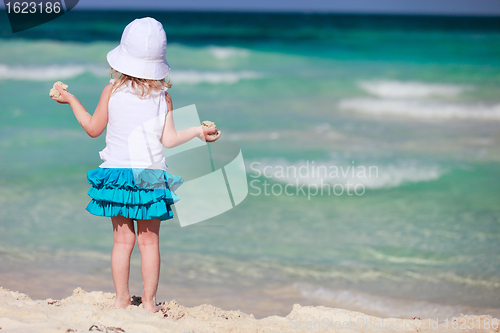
(133, 183)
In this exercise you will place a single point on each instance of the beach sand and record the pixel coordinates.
(93, 311)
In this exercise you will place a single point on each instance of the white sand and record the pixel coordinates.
(93, 311)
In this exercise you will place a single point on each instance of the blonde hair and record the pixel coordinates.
(141, 86)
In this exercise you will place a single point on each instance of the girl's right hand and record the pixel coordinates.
(65, 95)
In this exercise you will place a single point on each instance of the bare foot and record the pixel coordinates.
(122, 303)
(150, 305)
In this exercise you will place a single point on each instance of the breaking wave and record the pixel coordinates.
(57, 72)
(421, 109)
(399, 89)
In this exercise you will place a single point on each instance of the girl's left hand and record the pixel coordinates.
(207, 132)
(65, 95)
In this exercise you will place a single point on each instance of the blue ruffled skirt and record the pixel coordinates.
(140, 194)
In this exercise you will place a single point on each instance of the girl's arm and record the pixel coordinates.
(94, 124)
(171, 138)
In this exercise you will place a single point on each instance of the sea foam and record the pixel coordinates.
(197, 77)
(411, 89)
(385, 305)
(222, 53)
(421, 109)
(418, 100)
(63, 72)
(40, 73)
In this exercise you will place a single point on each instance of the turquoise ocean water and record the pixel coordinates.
(311, 100)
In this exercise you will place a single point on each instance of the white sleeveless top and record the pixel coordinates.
(135, 126)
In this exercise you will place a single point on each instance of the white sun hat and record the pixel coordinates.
(142, 49)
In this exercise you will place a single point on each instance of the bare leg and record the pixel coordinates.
(147, 240)
(124, 241)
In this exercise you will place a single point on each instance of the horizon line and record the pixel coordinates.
(284, 12)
